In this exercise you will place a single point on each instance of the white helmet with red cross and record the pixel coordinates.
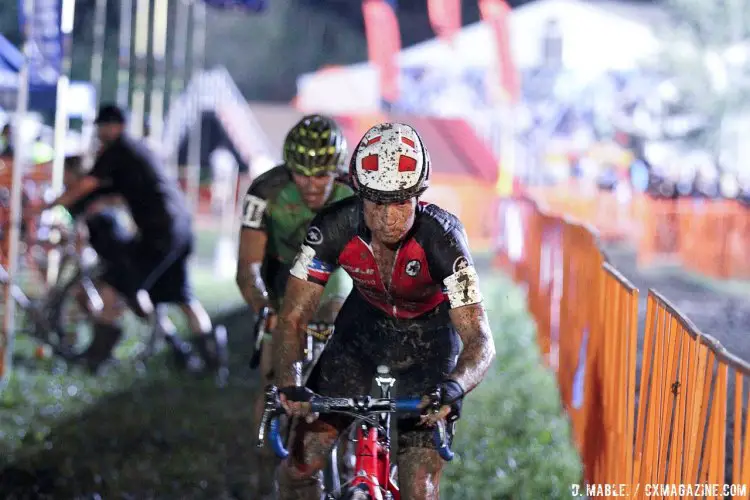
(390, 164)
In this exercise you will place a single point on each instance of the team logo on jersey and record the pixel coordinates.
(314, 236)
(413, 267)
(460, 263)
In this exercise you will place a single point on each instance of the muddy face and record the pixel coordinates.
(389, 222)
(315, 190)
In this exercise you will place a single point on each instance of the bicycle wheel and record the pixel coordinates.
(359, 493)
(69, 317)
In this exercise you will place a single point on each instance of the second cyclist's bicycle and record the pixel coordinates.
(317, 336)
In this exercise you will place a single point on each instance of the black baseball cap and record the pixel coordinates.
(110, 114)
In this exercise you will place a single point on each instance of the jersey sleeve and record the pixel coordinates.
(254, 207)
(339, 286)
(318, 255)
(452, 264)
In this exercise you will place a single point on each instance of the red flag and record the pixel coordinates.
(383, 44)
(445, 17)
(495, 13)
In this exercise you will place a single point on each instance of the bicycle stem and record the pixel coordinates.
(385, 382)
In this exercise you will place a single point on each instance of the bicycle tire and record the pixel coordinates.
(255, 358)
(393, 473)
(359, 493)
(55, 313)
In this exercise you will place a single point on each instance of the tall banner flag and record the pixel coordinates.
(383, 45)
(445, 17)
(45, 48)
(496, 14)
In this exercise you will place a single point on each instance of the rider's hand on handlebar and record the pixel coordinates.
(431, 418)
(296, 402)
(445, 400)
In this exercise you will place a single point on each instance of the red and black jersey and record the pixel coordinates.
(432, 264)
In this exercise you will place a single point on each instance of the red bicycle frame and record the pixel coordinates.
(373, 464)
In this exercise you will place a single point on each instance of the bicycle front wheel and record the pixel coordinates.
(359, 493)
(70, 317)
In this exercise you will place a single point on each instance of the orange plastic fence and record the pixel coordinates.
(694, 387)
(708, 237)
(613, 219)
(34, 182)
(587, 329)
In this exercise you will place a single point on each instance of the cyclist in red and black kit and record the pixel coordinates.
(416, 293)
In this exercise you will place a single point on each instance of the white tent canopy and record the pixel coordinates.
(596, 37)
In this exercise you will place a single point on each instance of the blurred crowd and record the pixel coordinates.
(628, 132)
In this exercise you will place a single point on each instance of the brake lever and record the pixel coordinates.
(271, 409)
(260, 332)
(435, 397)
(262, 319)
(442, 440)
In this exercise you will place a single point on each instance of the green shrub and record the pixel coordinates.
(513, 440)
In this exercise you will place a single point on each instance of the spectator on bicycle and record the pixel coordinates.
(277, 209)
(151, 268)
(416, 292)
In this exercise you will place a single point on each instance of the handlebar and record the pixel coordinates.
(362, 406)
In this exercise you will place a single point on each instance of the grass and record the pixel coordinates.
(512, 441)
(152, 434)
(41, 392)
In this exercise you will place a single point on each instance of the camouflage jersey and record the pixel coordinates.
(274, 205)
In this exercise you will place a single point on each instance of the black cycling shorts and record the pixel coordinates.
(420, 352)
(158, 265)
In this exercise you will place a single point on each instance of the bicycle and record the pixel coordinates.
(374, 477)
(317, 336)
(48, 320)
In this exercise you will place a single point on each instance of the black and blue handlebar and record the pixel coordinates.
(361, 406)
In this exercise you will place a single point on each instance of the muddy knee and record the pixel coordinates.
(419, 472)
(419, 466)
(300, 474)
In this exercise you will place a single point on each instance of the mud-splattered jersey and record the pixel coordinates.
(432, 264)
(273, 204)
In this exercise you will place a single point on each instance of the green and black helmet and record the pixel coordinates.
(314, 146)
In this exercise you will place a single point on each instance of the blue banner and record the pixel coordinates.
(255, 6)
(45, 42)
